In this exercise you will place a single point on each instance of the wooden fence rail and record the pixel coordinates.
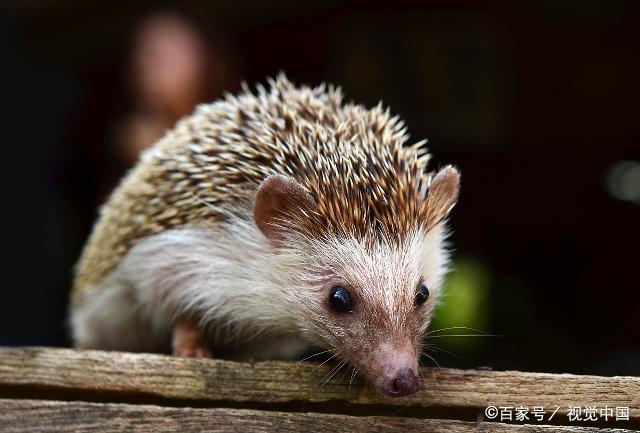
(43, 389)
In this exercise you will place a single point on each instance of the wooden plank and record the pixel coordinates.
(461, 394)
(51, 416)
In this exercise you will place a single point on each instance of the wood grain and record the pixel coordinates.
(49, 416)
(147, 378)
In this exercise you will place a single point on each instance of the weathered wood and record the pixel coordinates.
(147, 378)
(48, 416)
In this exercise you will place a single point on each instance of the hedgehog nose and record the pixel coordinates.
(404, 382)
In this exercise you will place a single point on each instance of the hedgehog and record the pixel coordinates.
(267, 223)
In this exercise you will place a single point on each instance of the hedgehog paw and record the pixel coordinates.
(187, 341)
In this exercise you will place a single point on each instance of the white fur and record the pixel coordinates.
(248, 298)
(228, 277)
(387, 273)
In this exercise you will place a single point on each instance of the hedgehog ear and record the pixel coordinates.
(443, 192)
(278, 198)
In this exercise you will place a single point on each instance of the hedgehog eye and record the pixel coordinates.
(340, 300)
(422, 295)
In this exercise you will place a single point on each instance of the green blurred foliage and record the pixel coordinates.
(464, 302)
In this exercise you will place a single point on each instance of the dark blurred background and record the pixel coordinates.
(536, 102)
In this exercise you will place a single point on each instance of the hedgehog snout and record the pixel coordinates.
(396, 366)
(404, 382)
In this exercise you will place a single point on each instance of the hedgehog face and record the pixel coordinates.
(367, 298)
(372, 303)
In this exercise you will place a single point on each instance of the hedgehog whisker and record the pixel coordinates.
(346, 370)
(462, 335)
(454, 327)
(431, 358)
(337, 369)
(316, 354)
(439, 349)
(353, 375)
(324, 362)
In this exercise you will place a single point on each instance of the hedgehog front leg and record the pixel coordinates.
(187, 341)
